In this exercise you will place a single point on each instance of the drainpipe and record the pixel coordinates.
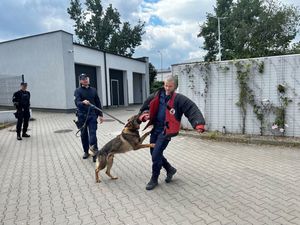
(105, 74)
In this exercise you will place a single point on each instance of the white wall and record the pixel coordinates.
(41, 59)
(128, 65)
(219, 106)
(92, 57)
(48, 63)
(162, 75)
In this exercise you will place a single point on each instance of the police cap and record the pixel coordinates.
(83, 76)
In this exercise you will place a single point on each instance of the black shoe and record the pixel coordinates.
(19, 138)
(152, 184)
(170, 174)
(94, 158)
(85, 155)
(25, 135)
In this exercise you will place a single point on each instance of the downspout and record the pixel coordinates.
(105, 73)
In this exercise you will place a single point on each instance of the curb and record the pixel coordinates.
(245, 140)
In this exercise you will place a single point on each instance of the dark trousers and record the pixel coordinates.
(88, 133)
(158, 159)
(23, 118)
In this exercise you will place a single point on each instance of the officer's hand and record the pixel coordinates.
(86, 102)
(101, 119)
(200, 128)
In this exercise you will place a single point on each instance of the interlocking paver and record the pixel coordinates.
(44, 180)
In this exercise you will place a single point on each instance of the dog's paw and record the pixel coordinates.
(98, 181)
(152, 145)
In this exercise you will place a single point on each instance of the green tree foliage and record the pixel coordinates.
(103, 29)
(250, 28)
(152, 73)
(154, 85)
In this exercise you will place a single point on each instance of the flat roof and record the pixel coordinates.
(35, 35)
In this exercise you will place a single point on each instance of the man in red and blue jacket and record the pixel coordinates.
(164, 110)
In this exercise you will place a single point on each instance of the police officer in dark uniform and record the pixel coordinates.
(21, 100)
(87, 115)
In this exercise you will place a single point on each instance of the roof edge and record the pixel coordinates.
(35, 35)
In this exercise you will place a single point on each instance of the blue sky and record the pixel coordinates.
(171, 25)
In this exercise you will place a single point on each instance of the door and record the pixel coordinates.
(115, 92)
(117, 88)
(137, 88)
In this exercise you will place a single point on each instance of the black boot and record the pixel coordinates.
(19, 137)
(25, 135)
(170, 174)
(152, 183)
(85, 155)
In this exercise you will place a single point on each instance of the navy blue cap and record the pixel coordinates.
(83, 76)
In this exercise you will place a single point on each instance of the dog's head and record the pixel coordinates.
(133, 123)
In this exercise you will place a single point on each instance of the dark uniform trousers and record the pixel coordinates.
(161, 142)
(88, 134)
(23, 116)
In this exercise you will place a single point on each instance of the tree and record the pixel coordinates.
(250, 28)
(154, 85)
(104, 30)
(152, 73)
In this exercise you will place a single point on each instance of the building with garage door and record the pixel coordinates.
(51, 64)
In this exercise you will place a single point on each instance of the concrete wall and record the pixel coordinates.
(163, 74)
(47, 61)
(44, 60)
(92, 57)
(219, 101)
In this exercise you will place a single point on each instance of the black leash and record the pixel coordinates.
(84, 125)
(95, 107)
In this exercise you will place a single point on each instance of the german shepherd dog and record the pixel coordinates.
(128, 140)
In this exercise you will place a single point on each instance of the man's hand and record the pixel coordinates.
(144, 117)
(200, 128)
(101, 119)
(86, 102)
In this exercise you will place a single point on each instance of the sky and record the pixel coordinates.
(171, 25)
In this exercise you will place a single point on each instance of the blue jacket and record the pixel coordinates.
(89, 94)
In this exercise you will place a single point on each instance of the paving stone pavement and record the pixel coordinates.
(44, 180)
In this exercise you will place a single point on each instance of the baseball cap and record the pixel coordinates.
(83, 76)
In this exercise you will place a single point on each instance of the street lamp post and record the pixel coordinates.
(219, 35)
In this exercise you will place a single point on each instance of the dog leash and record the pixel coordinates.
(84, 124)
(95, 107)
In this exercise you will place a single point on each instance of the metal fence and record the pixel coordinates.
(8, 85)
(215, 88)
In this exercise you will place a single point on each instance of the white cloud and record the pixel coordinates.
(175, 37)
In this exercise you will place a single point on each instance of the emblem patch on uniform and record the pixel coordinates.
(172, 111)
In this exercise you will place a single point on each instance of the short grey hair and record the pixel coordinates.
(170, 79)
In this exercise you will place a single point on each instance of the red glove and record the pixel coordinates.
(144, 117)
(200, 128)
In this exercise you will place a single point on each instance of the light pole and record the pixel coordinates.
(219, 35)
